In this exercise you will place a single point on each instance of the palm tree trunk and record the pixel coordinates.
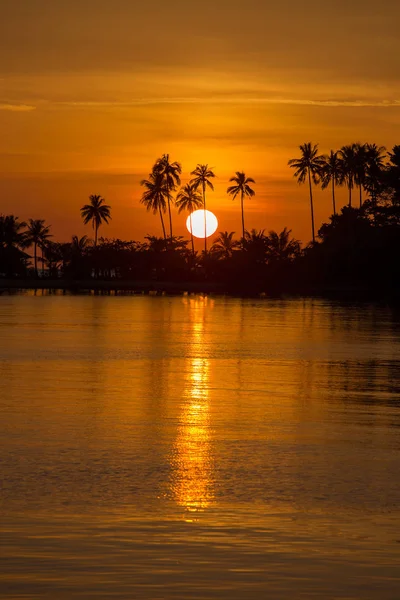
(42, 262)
(205, 220)
(191, 233)
(350, 188)
(241, 201)
(162, 223)
(35, 258)
(95, 235)
(312, 206)
(170, 219)
(333, 196)
(360, 186)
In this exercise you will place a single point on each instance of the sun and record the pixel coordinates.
(195, 223)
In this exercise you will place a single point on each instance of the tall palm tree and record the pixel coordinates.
(36, 235)
(189, 199)
(242, 187)
(331, 172)
(308, 166)
(171, 177)
(156, 195)
(348, 156)
(224, 246)
(97, 212)
(202, 175)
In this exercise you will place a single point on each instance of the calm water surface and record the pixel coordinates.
(193, 447)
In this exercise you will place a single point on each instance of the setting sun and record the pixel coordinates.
(195, 223)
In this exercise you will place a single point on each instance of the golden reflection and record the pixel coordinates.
(192, 463)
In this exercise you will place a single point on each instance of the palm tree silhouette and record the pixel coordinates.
(97, 212)
(189, 199)
(156, 195)
(36, 234)
(331, 172)
(348, 156)
(361, 157)
(171, 177)
(308, 166)
(374, 168)
(202, 175)
(224, 246)
(280, 247)
(242, 186)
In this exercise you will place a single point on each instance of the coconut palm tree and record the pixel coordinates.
(361, 157)
(189, 199)
(331, 173)
(308, 166)
(36, 235)
(224, 246)
(171, 177)
(156, 195)
(280, 247)
(348, 156)
(242, 187)
(97, 212)
(375, 165)
(202, 175)
(11, 234)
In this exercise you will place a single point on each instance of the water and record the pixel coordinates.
(192, 447)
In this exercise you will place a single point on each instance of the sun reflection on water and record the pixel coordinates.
(192, 459)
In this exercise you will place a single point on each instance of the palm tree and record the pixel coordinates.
(308, 166)
(171, 176)
(224, 246)
(36, 234)
(360, 167)
(11, 234)
(331, 172)
(374, 168)
(156, 195)
(97, 212)
(189, 199)
(280, 247)
(202, 175)
(243, 187)
(348, 156)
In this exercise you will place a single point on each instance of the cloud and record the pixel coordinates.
(16, 107)
(234, 100)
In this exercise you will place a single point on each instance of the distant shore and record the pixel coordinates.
(340, 292)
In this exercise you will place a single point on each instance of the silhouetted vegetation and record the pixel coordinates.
(357, 249)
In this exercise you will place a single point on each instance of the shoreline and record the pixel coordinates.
(342, 292)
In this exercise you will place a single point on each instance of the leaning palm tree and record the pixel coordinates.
(224, 246)
(308, 166)
(202, 175)
(171, 177)
(156, 195)
(242, 187)
(189, 199)
(97, 212)
(331, 173)
(36, 235)
(348, 156)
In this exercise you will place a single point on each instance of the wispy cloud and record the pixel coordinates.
(16, 107)
(356, 103)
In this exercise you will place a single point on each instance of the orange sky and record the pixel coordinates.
(91, 95)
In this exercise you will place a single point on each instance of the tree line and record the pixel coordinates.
(357, 245)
